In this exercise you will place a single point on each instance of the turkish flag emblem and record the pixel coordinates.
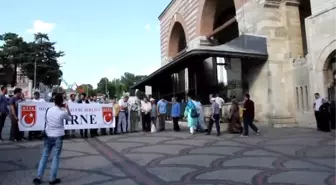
(28, 115)
(107, 115)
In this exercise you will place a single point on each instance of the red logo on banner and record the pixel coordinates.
(107, 115)
(28, 115)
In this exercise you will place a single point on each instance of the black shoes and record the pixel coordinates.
(38, 181)
(56, 181)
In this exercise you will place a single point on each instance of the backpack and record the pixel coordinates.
(194, 113)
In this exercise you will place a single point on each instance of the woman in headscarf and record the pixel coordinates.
(234, 118)
(325, 115)
(200, 121)
(189, 112)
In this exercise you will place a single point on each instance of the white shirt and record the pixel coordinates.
(70, 101)
(54, 122)
(122, 103)
(219, 101)
(318, 103)
(38, 100)
(146, 107)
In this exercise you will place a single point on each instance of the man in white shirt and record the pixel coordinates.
(53, 141)
(72, 100)
(220, 102)
(146, 107)
(317, 105)
(35, 134)
(122, 115)
(37, 97)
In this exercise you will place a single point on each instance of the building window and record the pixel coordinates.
(302, 102)
(297, 98)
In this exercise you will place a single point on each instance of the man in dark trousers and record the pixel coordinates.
(4, 111)
(83, 132)
(248, 116)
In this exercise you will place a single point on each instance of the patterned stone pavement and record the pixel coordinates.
(277, 157)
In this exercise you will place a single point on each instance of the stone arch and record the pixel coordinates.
(178, 38)
(206, 15)
(322, 61)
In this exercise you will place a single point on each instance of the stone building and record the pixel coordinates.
(279, 51)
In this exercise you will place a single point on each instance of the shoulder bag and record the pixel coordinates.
(44, 134)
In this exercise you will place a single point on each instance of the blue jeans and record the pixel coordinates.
(50, 143)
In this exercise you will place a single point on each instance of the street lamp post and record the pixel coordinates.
(105, 85)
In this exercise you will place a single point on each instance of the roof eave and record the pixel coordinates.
(166, 9)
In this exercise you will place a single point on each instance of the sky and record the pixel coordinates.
(102, 38)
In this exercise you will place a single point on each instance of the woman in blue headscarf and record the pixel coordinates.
(189, 112)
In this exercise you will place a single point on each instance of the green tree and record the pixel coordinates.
(42, 51)
(105, 86)
(129, 79)
(85, 88)
(12, 54)
(16, 53)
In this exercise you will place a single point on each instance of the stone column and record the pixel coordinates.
(234, 77)
(284, 43)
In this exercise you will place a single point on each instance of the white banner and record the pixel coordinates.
(84, 116)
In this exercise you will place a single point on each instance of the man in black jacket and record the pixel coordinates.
(83, 132)
(248, 116)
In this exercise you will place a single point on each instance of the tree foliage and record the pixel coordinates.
(16, 53)
(117, 87)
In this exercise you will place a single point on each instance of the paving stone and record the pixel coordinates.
(326, 151)
(194, 142)
(8, 146)
(331, 142)
(198, 160)
(227, 150)
(120, 182)
(17, 177)
(249, 140)
(169, 174)
(261, 153)
(7, 167)
(325, 161)
(299, 177)
(28, 157)
(69, 177)
(149, 140)
(80, 147)
(236, 175)
(265, 162)
(30, 144)
(227, 143)
(161, 149)
(121, 146)
(66, 154)
(285, 149)
(294, 141)
(91, 162)
(301, 164)
(142, 159)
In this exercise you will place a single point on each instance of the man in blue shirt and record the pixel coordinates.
(3, 109)
(175, 114)
(162, 111)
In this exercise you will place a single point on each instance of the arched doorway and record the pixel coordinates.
(217, 20)
(218, 23)
(177, 44)
(304, 11)
(330, 75)
(177, 40)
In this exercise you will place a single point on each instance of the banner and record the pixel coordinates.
(84, 116)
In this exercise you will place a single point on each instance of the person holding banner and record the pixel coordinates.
(123, 103)
(53, 139)
(15, 133)
(83, 132)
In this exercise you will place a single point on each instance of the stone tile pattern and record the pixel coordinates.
(278, 156)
